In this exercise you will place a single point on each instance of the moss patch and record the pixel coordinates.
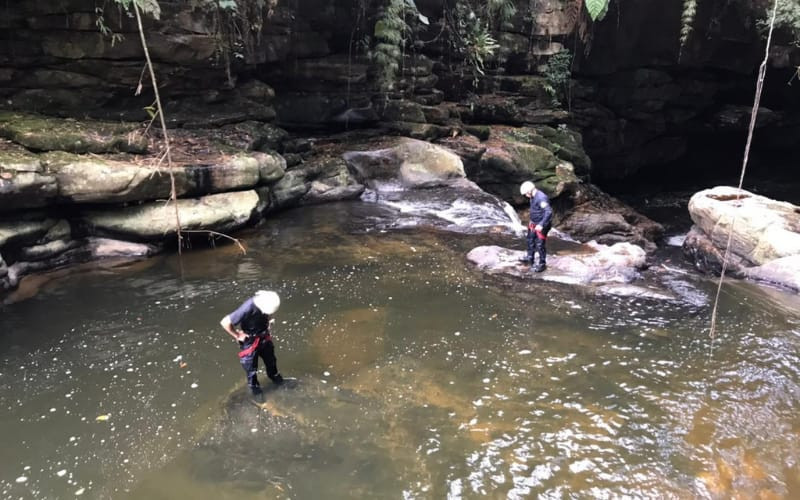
(41, 133)
(561, 142)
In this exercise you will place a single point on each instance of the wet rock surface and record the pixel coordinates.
(590, 214)
(591, 265)
(764, 235)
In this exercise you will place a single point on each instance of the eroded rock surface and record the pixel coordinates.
(764, 235)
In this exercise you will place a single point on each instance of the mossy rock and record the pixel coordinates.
(565, 144)
(518, 161)
(482, 132)
(570, 147)
(540, 154)
(42, 133)
(316, 181)
(17, 159)
(402, 110)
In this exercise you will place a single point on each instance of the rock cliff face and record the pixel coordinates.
(639, 100)
(261, 113)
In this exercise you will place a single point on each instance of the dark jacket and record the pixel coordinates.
(541, 213)
(250, 319)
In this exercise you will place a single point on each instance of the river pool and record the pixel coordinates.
(416, 377)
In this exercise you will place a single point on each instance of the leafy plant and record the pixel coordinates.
(557, 73)
(470, 37)
(597, 9)
(105, 30)
(787, 19)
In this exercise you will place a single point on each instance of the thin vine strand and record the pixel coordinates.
(762, 71)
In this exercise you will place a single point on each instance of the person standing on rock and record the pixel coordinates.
(251, 325)
(541, 216)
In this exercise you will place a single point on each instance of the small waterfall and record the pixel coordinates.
(462, 208)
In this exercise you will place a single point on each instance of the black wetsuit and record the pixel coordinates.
(541, 214)
(258, 344)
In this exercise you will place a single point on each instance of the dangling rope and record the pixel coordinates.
(762, 71)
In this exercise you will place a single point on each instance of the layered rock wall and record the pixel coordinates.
(640, 99)
(636, 100)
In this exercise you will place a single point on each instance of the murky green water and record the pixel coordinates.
(417, 378)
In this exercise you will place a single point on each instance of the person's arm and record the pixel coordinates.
(548, 214)
(230, 321)
(229, 327)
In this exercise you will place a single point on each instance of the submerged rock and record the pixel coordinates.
(594, 264)
(764, 235)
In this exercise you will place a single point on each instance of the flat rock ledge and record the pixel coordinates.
(610, 269)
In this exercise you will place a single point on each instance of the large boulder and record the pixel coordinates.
(764, 234)
(411, 164)
(762, 229)
(223, 212)
(318, 180)
(551, 157)
(427, 186)
(590, 214)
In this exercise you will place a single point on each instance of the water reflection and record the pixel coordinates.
(417, 377)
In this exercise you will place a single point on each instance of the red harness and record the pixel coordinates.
(539, 234)
(250, 350)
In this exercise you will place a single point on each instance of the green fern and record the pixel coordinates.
(390, 34)
(687, 19)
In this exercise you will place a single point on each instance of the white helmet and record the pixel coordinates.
(267, 302)
(526, 188)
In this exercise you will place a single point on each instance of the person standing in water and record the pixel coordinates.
(541, 216)
(251, 325)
